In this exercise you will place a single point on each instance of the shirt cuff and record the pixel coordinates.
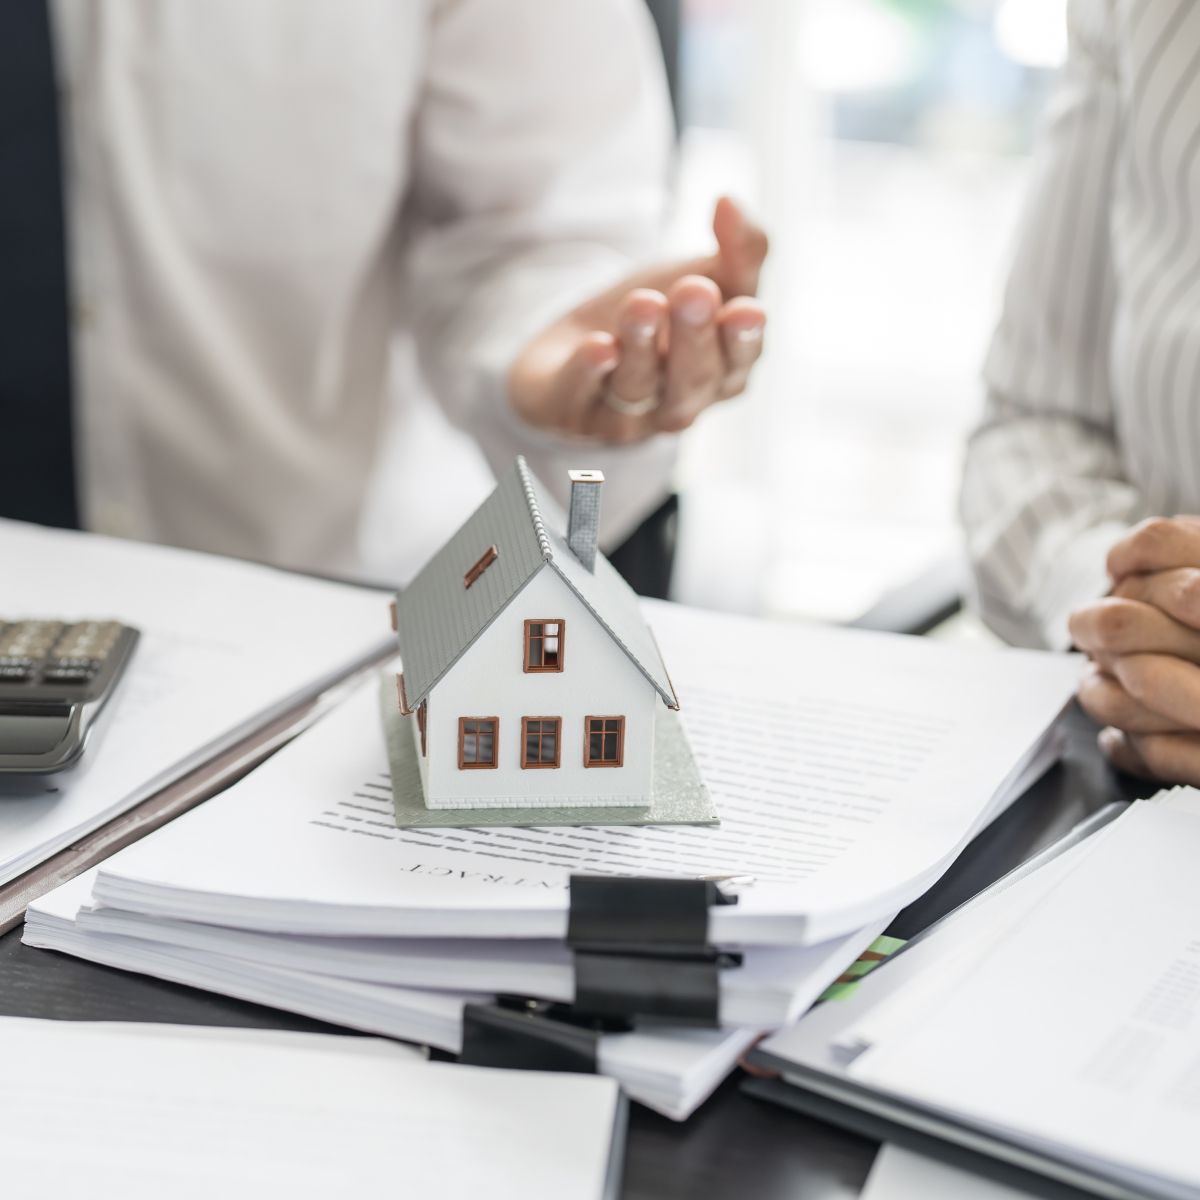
(1076, 575)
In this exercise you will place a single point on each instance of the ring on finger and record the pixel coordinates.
(632, 408)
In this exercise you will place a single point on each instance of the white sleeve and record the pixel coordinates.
(1044, 495)
(541, 155)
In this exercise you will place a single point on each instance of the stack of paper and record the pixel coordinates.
(149, 1111)
(848, 769)
(226, 648)
(1054, 1024)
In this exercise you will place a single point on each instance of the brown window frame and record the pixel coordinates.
(463, 765)
(422, 724)
(526, 765)
(562, 646)
(485, 560)
(587, 742)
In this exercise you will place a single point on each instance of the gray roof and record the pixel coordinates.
(437, 618)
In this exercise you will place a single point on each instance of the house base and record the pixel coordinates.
(680, 796)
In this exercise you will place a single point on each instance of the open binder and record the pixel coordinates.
(1063, 1154)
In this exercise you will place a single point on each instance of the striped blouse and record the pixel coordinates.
(1092, 417)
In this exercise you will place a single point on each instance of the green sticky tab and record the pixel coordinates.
(839, 991)
(862, 967)
(870, 958)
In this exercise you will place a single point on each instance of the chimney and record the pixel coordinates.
(583, 520)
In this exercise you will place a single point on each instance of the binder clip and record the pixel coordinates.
(642, 949)
(533, 1035)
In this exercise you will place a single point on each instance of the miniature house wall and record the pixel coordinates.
(463, 629)
(490, 681)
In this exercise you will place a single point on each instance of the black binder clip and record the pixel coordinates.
(642, 948)
(533, 1035)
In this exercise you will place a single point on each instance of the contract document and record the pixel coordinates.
(146, 1112)
(849, 768)
(671, 1069)
(226, 647)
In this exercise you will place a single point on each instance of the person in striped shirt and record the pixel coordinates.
(1080, 484)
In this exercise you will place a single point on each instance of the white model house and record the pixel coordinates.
(531, 677)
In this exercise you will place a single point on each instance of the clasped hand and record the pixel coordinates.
(649, 355)
(1144, 642)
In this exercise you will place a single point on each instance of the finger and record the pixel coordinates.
(1168, 686)
(593, 417)
(579, 384)
(606, 424)
(640, 322)
(1119, 749)
(741, 323)
(1108, 703)
(1175, 592)
(1117, 626)
(695, 361)
(1159, 544)
(1172, 757)
(741, 249)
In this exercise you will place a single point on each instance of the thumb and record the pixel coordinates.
(741, 249)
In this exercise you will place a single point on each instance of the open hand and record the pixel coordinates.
(1144, 642)
(649, 355)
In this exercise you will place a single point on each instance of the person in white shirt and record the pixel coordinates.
(262, 197)
(1086, 455)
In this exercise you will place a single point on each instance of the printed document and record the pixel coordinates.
(226, 647)
(1081, 1029)
(672, 1069)
(848, 769)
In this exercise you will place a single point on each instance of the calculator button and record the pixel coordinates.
(70, 675)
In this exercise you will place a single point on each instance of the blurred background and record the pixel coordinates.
(883, 143)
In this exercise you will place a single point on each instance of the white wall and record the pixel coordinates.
(597, 680)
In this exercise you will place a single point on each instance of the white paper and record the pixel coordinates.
(225, 646)
(848, 769)
(773, 986)
(911, 981)
(1082, 1028)
(670, 1069)
(899, 1174)
(146, 1113)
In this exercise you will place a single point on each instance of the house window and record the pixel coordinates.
(422, 719)
(541, 741)
(478, 742)
(486, 559)
(544, 645)
(604, 741)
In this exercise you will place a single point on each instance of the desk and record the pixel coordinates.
(731, 1148)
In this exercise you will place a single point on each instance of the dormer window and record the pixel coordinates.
(486, 559)
(545, 645)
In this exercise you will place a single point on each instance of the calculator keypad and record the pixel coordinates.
(54, 655)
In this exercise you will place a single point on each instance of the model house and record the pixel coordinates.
(531, 677)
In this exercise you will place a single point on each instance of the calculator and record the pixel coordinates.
(55, 679)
